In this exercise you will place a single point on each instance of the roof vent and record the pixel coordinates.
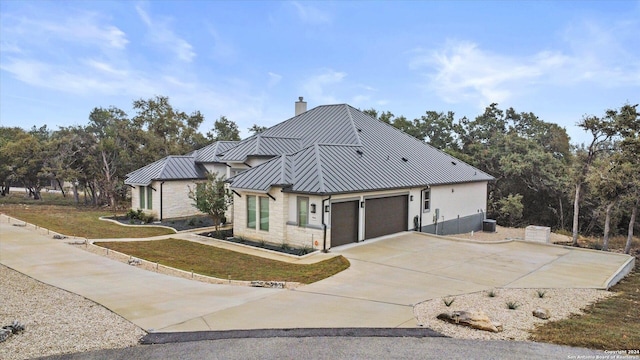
(405, 159)
(453, 163)
(359, 152)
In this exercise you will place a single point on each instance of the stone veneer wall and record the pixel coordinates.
(279, 230)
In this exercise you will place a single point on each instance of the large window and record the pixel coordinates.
(303, 211)
(251, 211)
(426, 198)
(142, 191)
(264, 213)
(258, 212)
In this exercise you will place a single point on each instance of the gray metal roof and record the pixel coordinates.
(329, 124)
(380, 157)
(168, 168)
(209, 153)
(261, 145)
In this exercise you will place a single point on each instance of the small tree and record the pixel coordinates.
(511, 209)
(212, 198)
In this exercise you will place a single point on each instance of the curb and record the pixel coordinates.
(179, 337)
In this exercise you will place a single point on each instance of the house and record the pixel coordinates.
(334, 175)
(162, 188)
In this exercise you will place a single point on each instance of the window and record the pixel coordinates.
(426, 198)
(142, 192)
(264, 213)
(149, 198)
(251, 211)
(258, 215)
(303, 211)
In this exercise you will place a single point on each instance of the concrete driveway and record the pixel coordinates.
(386, 278)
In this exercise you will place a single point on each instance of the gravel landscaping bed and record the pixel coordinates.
(516, 323)
(57, 321)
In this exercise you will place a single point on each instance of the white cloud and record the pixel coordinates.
(274, 79)
(310, 14)
(79, 27)
(160, 34)
(318, 86)
(591, 52)
(462, 72)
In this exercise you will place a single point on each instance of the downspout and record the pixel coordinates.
(161, 200)
(324, 227)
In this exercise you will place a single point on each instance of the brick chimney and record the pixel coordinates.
(301, 106)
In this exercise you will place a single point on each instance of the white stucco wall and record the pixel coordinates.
(457, 200)
(215, 168)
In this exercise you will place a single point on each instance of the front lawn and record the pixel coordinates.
(221, 263)
(77, 221)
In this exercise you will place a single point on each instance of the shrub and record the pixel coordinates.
(306, 250)
(541, 293)
(512, 305)
(492, 293)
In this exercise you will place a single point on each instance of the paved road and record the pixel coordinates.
(343, 348)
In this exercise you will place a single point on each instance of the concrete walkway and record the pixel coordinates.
(386, 278)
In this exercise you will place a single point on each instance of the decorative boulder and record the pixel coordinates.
(542, 313)
(473, 319)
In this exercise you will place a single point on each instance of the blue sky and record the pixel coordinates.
(251, 60)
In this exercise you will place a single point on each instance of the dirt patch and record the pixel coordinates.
(505, 233)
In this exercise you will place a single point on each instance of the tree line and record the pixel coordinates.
(540, 177)
(96, 157)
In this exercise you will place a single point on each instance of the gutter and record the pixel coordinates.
(161, 183)
(324, 227)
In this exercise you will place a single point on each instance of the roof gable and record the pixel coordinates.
(168, 168)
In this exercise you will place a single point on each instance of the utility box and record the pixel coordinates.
(541, 234)
(489, 225)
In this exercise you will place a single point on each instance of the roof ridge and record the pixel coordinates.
(353, 125)
(316, 149)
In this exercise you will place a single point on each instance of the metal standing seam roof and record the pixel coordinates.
(324, 124)
(209, 153)
(382, 158)
(179, 167)
(169, 168)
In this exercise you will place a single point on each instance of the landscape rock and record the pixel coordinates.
(542, 313)
(475, 319)
(269, 284)
(135, 261)
(59, 237)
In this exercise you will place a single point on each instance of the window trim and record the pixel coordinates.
(259, 224)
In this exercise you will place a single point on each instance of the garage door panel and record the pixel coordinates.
(344, 223)
(384, 216)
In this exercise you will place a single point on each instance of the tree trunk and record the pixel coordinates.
(76, 196)
(576, 210)
(607, 226)
(561, 213)
(61, 187)
(634, 212)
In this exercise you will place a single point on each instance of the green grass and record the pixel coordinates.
(221, 263)
(610, 324)
(76, 221)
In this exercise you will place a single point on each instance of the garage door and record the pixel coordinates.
(344, 223)
(384, 216)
